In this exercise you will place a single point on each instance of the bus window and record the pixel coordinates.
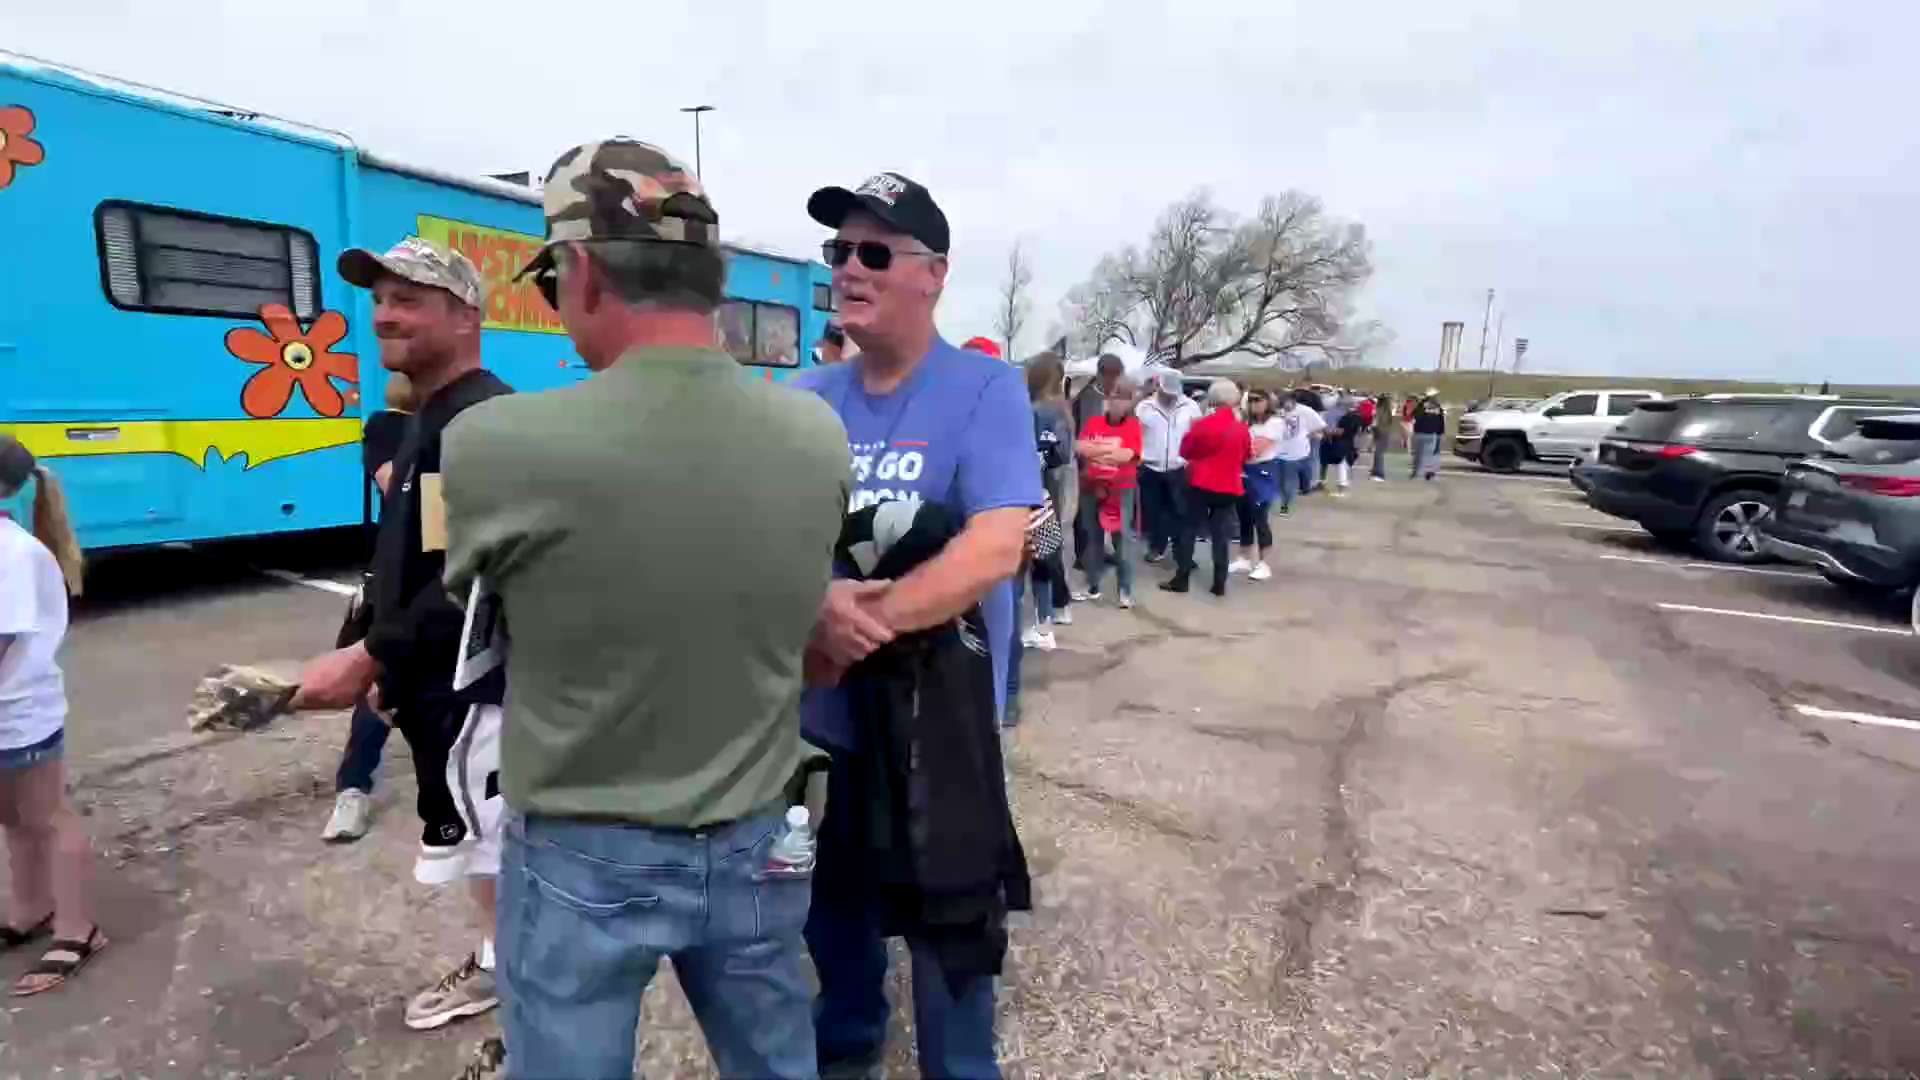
(735, 319)
(760, 335)
(823, 297)
(180, 263)
(776, 336)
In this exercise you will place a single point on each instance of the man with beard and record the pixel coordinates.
(427, 315)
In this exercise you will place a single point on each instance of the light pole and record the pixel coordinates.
(1485, 319)
(696, 110)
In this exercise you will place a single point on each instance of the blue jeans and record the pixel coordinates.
(365, 741)
(51, 748)
(1296, 479)
(1426, 455)
(587, 909)
(1097, 553)
(954, 1032)
(1163, 507)
(1016, 650)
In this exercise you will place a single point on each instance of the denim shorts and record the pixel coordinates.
(24, 757)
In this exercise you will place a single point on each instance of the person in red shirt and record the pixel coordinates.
(1216, 448)
(1109, 453)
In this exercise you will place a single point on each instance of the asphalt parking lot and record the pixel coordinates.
(1482, 780)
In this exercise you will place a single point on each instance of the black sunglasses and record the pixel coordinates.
(547, 280)
(873, 254)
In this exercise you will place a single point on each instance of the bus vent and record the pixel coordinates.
(123, 268)
(300, 268)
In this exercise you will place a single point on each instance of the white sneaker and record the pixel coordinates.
(1379, 479)
(1126, 601)
(352, 815)
(1063, 616)
(1260, 572)
(1036, 638)
(1239, 566)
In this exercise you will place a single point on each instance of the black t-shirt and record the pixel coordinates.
(415, 631)
(1429, 418)
(380, 439)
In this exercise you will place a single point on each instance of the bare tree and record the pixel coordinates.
(1358, 341)
(1011, 311)
(1209, 284)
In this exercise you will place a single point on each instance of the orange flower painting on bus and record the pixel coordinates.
(16, 150)
(294, 358)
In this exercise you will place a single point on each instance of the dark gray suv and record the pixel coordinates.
(1853, 512)
(1707, 470)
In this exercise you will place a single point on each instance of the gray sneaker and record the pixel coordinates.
(468, 990)
(352, 813)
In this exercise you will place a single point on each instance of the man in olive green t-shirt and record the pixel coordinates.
(660, 538)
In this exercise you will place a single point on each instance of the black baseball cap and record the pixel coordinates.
(897, 201)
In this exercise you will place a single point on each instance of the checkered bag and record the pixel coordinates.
(1044, 537)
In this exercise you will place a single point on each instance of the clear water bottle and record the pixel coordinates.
(793, 852)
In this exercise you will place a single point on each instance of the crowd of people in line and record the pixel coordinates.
(1150, 467)
(729, 747)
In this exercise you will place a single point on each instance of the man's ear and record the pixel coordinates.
(593, 283)
(938, 268)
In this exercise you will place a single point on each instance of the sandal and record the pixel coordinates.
(63, 960)
(11, 939)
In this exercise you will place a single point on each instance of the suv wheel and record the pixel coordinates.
(1729, 527)
(1503, 455)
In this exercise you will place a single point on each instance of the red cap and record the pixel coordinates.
(983, 345)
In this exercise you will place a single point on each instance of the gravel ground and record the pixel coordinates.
(1451, 794)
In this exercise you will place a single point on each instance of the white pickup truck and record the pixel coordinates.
(1563, 427)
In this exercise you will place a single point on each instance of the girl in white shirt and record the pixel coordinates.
(1262, 485)
(49, 856)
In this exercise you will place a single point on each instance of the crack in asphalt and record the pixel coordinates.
(1335, 890)
(1158, 820)
(1172, 628)
(145, 838)
(191, 746)
(1258, 736)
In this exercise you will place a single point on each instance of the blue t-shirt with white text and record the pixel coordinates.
(958, 431)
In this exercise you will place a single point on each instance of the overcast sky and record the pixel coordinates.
(1669, 188)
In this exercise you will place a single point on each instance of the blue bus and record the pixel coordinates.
(175, 342)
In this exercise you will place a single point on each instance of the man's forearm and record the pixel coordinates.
(986, 552)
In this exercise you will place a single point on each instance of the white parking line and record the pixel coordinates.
(1785, 618)
(322, 584)
(1804, 576)
(1856, 717)
(1601, 528)
(1507, 476)
(1639, 559)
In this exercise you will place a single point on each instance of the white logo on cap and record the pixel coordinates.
(885, 186)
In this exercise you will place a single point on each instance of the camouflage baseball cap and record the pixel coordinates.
(420, 262)
(619, 189)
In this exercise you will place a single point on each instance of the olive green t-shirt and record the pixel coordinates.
(660, 537)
